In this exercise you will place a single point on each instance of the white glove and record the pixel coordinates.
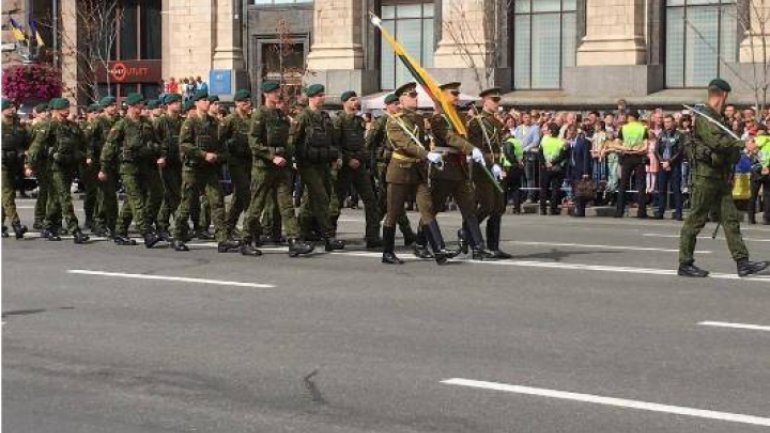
(497, 171)
(435, 157)
(477, 156)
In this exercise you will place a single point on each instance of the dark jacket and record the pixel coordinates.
(580, 161)
(674, 141)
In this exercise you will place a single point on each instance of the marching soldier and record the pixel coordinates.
(714, 153)
(354, 170)
(42, 118)
(271, 173)
(87, 172)
(454, 179)
(137, 148)
(234, 134)
(106, 213)
(15, 141)
(312, 138)
(167, 129)
(486, 133)
(202, 154)
(63, 140)
(407, 173)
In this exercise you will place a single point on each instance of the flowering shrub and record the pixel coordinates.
(33, 82)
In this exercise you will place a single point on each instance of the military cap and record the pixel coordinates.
(242, 95)
(718, 83)
(347, 95)
(314, 90)
(50, 103)
(405, 88)
(60, 104)
(41, 107)
(391, 98)
(173, 97)
(494, 91)
(200, 94)
(454, 85)
(270, 86)
(188, 105)
(134, 99)
(152, 104)
(213, 98)
(7, 103)
(93, 108)
(107, 101)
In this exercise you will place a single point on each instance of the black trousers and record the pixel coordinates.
(632, 165)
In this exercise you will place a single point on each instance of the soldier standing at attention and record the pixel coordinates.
(137, 148)
(312, 138)
(714, 153)
(355, 171)
(15, 141)
(167, 129)
(633, 138)
(271, 173)
(486, 133)
(63, 140)
(234, 134)
(202, 154)
(454, 179)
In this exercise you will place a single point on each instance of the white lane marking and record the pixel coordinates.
(719, 238)
(608, 247)
(736, 326)
(169, 278)
(612, 401)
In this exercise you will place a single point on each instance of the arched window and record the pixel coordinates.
(698, 33)
(545, 35)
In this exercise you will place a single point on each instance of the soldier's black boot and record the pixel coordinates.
(690, 270)
(5, 232)
(53, 235)
(78, 237)
(332, 244)
(164, 235)
(151, 239)
(19, 230)
(248, 249)
(204, 235)
(374, 244)
(462, 239)
(476, 241)
(299, 248)
(228, 245)
(389, 239)
(493, 238)
(179, 245)
(433, 233)
(421, 244)
(409, 237)
(752, 218)
(747, 267)
(37, 225)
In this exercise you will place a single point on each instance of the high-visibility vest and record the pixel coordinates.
(517, 149)
(633, 134)
(552, 147)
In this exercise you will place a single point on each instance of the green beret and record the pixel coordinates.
(347, 95)
(188, 105)
(173, 97)
(7, 104)
(39, 108)
(50, 103)
(153, 104)
(454, 85)
(494, 91)
(391, 99)
(314, 90)
(200, 94)
(242, 95)
(60, 104)
(213, 98)
(93, 108)
(270, 86)
(406, 88)
(718, 83)
(134, 99)
(107, 101)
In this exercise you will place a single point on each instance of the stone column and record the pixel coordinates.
(188, 38)
(337, 35)
(756, 41)
(69, 62)
(464, 34)
(228, 53)
(615, 33)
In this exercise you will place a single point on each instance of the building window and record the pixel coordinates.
(139, 33)
(698, 33)
(284, 61)
(280, 2)
(412, 25)
(545, 35)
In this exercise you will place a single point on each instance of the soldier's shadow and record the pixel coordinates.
(558, 255)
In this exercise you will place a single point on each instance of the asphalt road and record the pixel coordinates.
(585, 330)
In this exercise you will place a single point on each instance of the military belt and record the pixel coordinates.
(400, 157)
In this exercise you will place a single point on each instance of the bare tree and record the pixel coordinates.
(291, 74)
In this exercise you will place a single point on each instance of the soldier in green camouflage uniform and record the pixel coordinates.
(167, 129)
(87, 172)
(355, 166)
(106, 213)
(714, 153)
(312, 138)
(63, 141)
(41, 120)
(202, 154)
(134, 142)
(14, 143)
(234, 132)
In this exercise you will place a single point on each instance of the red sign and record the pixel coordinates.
(132, 71)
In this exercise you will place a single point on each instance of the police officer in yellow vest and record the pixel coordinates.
(760, 176)
(513, 164)
(633, 156)
(553, 159)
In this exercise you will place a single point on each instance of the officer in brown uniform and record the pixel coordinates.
(486, 132)
(454, 179)
(408, 173)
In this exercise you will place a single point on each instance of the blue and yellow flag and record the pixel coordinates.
(36, 34)
(18, 34)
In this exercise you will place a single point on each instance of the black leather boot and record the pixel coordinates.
(747, 267)
(179, 245)
(421, 244)
(204, 235)
(493, 238)
(19, 230)
(151, 239)
(248, 249)
(332, 244)
(389, 239)
(299, 248)
(228, 246)
(476, 241)
(5, 232)
(79, 237)
(436, 241)
(462, 239)
(53, 235)
(690, 270)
